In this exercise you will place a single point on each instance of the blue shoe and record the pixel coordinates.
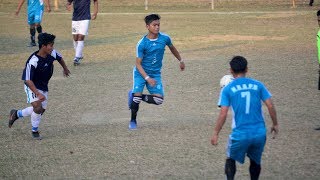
(133, 125)
(130, 98)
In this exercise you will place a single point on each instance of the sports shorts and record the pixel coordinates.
(237, 149)
(139, 83)
(35, 16)
(80, 27)
(31, 97)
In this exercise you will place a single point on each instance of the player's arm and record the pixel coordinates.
(273, 115)
(219, 124)
(143, 73)
(68, 5)
(176, 54)
(19, 7)
(95, 9)
(47, 4)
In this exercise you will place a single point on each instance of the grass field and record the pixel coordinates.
(84, 129)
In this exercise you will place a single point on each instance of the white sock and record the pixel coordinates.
(35, 121)
(25, 112)
(79, 49)
(75, 44)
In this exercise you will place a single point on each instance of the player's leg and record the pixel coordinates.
(230, 168)
(254, 170)
(135, 97)
(254, 153)
(38, 110)
(79, 31)
(236, 151)
(31, 22)
(38, 19)
(16, 114)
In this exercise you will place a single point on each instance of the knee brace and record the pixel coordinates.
(230, 169)
(152, 99)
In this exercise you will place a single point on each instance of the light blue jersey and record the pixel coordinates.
(35, 11)
(245, 96)
(151, 52)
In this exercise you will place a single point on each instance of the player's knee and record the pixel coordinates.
(38, 110)
(230, 168)
(158, 100)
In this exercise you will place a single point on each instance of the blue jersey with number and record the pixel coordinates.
(245, 96)
(151, 52)
(35, 5)
(39, 70)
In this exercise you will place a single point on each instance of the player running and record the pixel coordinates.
(36, 75)
(35, 12)
(147, 72)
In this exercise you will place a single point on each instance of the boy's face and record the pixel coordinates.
(48, 48)
(154, 27)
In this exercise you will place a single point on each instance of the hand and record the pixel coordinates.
(40, 97)
(16, 13)
(48, 9)
(214, 139)
(151, 81)
(274, 131)
(182, 65)
(66, 73)
(94, 16)
(68, 6)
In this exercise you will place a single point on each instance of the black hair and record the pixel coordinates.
(45, 39)
(318, 13)
(238, 64)
(151, 17)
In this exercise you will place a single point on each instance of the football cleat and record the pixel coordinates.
(133, 125)
(32, 44)
(36, 135)
(13, 117)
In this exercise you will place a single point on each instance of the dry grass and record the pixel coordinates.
(85, 126)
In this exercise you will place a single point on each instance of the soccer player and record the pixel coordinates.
(147, 71)
(80, 24)
(35, 12)
(244, 96)
(36, 75)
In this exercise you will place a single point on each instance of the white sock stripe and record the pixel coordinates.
(137, 99)
(158, 100)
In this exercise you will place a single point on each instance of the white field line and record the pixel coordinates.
(186, 13)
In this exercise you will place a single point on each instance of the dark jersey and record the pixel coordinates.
(81, 10)
(39, 70)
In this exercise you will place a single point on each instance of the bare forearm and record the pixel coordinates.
(219, 124)
(95, 7)
(175, 52)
